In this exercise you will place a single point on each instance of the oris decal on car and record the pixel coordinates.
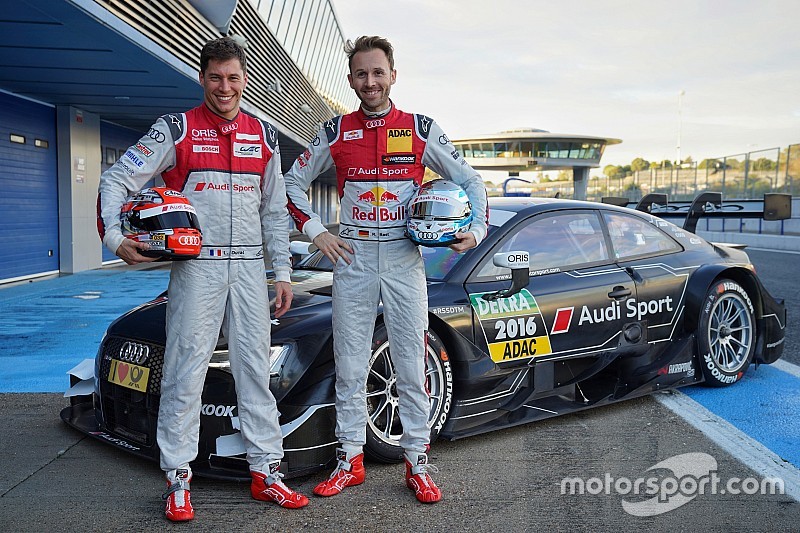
(513, 327)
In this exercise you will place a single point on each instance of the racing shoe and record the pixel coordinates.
(418, 479)
(349, 471)
(270, 488)
(179, 504)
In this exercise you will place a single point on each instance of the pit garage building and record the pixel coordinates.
(84, 79)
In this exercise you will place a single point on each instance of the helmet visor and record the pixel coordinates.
(174, 219)
(430, 209)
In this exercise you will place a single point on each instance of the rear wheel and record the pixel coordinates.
(726, 333)
(383, 421)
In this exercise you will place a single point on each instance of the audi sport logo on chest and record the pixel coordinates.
(134, 352)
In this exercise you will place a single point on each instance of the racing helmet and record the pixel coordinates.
(164, 219)
(438, 211)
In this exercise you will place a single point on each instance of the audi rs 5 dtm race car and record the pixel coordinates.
(602, 303)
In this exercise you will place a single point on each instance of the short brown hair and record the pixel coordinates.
(365, 44)
(222, 49)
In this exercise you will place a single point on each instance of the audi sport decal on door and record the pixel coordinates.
(513, 327)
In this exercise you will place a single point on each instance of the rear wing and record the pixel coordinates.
(775, 206)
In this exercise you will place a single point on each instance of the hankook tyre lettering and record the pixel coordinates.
(383, 422)
(726, 333)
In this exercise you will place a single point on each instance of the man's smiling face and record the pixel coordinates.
(371, 78)
(223, 83)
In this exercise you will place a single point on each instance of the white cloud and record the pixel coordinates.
(605, 67)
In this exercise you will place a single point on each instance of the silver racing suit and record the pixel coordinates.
(380, 163)
(231, 173)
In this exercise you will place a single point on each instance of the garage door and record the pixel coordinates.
(28, 189)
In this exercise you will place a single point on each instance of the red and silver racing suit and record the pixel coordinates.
(380, 163)
(231, 173)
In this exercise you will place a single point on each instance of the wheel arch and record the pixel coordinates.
(705, 276)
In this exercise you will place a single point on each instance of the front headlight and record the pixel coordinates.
(277, 358)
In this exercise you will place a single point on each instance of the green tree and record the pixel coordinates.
(611, 171)
(639, 164)
(762, 163)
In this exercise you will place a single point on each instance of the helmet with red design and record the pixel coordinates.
(165, 220)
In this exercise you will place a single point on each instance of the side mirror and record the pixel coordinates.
(519, 264)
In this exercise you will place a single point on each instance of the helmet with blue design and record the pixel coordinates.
(438, 211)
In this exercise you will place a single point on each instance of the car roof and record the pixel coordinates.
(503, 208)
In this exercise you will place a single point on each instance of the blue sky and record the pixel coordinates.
(605, 67)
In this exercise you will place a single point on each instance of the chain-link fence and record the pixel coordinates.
(740, 176)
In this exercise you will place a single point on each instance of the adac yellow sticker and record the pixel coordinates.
(129, 375)
(398, 140)
(514, 327)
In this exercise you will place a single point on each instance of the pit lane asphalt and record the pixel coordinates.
(54, 479)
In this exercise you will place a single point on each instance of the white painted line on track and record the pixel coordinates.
(737, 443)
(787, 367)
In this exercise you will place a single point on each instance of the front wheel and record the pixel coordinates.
(383, 421)
(726, 333)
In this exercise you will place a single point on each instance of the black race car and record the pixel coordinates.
(602, 304)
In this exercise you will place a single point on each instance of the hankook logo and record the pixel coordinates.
(134, 352)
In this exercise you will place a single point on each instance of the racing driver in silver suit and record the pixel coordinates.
(380, 154)
(227, 163)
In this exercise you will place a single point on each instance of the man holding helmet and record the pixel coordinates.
(380, 154)
(227, 163)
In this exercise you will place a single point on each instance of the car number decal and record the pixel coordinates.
(129, 375)
(513, 327)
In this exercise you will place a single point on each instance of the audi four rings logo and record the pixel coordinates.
(375, 123)
(189, 240)
(156, 135)
(427, 235)
(133, 352)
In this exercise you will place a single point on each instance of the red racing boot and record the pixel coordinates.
(270, 488)
(179, 504)
(418, 480)
(348, 472)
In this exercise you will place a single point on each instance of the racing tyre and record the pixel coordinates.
(383, 421)
(726, 333)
